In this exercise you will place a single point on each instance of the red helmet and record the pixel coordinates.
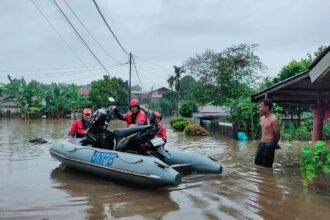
(153, 117)
(157, 115)
(133, 103)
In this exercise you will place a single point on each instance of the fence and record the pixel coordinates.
(220, 128)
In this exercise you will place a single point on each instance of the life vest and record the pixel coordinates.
(162, 132)
(78, 128)
(138, 118)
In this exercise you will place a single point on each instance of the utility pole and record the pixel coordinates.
(130, 77)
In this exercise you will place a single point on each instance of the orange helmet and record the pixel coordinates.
(133, 103)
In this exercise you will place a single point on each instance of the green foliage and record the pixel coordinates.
(288, 133)
(314, 161)
(300, 133)
(326, 130)
(180, 125)
(163, 106)
(187, 82)
(187, 107)
(231, 73)
(109, 87)
(293, 68)
(176, 119)
(244, 115)
(203, 94)
(28, 96)
(34, 97)
(195, 130)
(307, 117)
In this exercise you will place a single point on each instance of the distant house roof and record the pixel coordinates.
(83, 91)
(140, 92)
(161, 88)
(9, 104)
(210, 110)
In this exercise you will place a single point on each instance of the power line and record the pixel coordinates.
(106, 23)
(58, 68)
(63, 73)
(90, 34)
(80, 37)
(136, 71)
(159, 66)
(58, 33)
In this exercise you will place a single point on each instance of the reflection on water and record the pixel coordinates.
(34, 186)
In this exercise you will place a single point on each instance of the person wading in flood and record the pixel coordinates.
(78, 128)
(270, 135)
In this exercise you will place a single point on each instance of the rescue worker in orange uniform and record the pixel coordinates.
(134, 117)
(155, 118)
(78, 127)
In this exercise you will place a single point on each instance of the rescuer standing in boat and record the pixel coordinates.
(134, 117)
(78, 127)
(270, 135)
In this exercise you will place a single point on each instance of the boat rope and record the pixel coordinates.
(123, 159)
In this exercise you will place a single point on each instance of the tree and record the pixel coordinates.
(237, 69)
(187, 83)
(109, 87)
(229, 73)
(56, 100)
(175, 81)
(187, 107)
(203, 94)
(28, 96)
(136, 88)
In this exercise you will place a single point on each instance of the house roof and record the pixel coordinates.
(210, 110)
(83, 91)
(301, 89)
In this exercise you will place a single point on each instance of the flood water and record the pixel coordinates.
(33, 185)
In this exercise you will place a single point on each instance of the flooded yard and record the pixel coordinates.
(33, 185)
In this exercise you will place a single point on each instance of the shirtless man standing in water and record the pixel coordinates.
(270, 135)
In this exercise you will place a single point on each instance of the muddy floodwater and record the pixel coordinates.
(33, 185)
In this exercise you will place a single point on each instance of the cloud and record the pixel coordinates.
(166, 32)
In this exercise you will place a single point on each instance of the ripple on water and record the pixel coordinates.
(34, 186)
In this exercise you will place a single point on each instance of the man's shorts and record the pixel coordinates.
(265, 154)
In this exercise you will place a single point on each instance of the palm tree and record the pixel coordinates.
(170, 82)
(178, 73)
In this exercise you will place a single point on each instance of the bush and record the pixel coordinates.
(195, 130)
(302, 133)
(187, 108)
(288, 133)
(176, 119)
(326, 130)
(180, 125)
(314, 161)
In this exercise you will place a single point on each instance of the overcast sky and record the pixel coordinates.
(164, 32)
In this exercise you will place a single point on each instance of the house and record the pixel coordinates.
(142, 96)
(158, 93)
(145, 97)
(210, 111)
(83, 91)
(8, 108)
